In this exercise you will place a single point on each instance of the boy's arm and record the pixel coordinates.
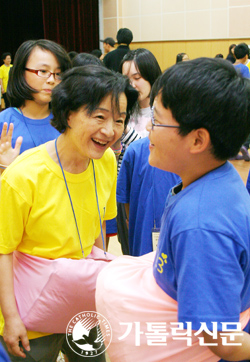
(230, 353)
(1, 84)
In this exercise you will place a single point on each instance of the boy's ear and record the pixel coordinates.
(200, 141)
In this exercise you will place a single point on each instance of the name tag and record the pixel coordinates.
(155, 237)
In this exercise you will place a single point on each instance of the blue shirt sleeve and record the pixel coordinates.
(125, 177)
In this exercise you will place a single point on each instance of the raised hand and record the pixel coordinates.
(7, 153)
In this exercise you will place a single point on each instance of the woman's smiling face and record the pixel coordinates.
(91, 135)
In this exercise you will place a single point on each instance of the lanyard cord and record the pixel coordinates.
(25, 122)
(71, 202)
(96, 195)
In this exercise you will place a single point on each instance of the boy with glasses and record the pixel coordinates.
(201, 118)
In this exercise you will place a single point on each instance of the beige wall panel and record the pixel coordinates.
(219, 24)
(197, 4)
(129, 8)
(169, 6)
(197, 49)
(218, 4)
(149, 7)
(134, 25)
(109, 28)
(170, 50)
(150, 28)
(173, 26)
(239, 24)
(219, 46)
(109, 8)
(198, 25)
(166, 51)
(238, 2)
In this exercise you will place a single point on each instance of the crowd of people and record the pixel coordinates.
(97, 145)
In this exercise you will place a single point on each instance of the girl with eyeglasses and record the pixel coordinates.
(26, 124)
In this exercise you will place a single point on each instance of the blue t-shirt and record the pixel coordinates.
(34, 131)
(243, 70)
(145, 188)
(203, 255)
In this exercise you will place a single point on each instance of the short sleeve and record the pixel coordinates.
(125, 177)
(13, 217)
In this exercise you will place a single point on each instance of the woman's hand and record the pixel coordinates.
(7, 153)
(14, 329)
(15, 332)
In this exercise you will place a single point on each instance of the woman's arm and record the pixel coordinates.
(14, 329)
(7, 153)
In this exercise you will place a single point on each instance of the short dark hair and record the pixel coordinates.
(109, 41)
(145, 63)
(18, 89)
(241, 50)
(179, 57)
(4, 55)
(72, 54)
(87, 86)
(219, 56)
(86, 59)
(124, 35)
(96, 52)
(208, 93)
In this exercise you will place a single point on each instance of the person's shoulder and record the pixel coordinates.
(139, 145)
(30, 158)
(7, 114)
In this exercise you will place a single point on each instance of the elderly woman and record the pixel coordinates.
(60, 193)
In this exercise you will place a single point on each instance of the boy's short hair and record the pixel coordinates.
(86, 59)
(87, 86)
(241, 50)
(208, 93)
(125, 36)
(4, 55)
(109, 41)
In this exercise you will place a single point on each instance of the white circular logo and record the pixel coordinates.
(86, 333)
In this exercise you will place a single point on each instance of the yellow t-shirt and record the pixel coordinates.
(36, 217)
(4, 75)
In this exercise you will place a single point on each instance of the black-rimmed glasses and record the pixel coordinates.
(154, 124)
(44, 73)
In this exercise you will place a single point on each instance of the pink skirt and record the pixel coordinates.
(142, 316)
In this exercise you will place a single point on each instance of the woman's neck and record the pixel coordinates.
(34, 110)
(145, 103)
(70, 159)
